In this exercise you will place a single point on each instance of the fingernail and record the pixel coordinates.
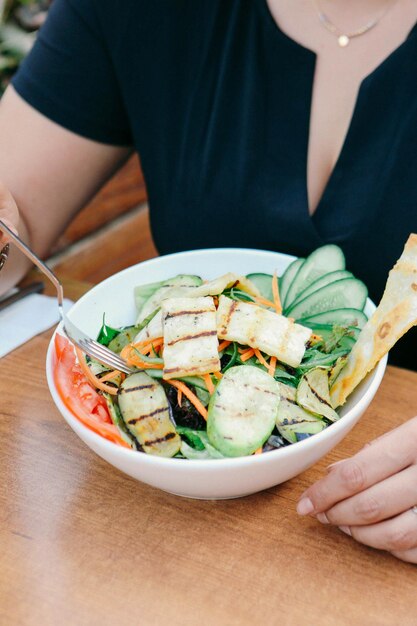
(322, 517)
(305, 506)
(346, 530)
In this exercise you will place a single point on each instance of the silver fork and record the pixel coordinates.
(75, 335)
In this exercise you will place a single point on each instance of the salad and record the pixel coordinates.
(234, 366)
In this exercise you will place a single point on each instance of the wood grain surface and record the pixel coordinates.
(125, 243)
(83, 544)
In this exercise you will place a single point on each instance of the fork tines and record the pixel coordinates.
(101, 353)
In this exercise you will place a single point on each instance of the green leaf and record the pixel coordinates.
(107, 333)
(192, 436)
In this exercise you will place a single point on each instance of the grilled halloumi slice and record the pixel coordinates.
(211, 288)
(190, 337)
(218, 285)
(260, 328)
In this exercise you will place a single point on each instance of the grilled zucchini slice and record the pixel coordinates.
(146, 413)
(313, 393)
(294, 422)
(242, 411)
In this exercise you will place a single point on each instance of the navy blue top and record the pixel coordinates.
(216, 99)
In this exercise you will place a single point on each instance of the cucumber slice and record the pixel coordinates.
(313, 393)
(326, 259)
(146, 413)
(142, 293)
(154, 301)
(287, 278)
(321, 282)
(343, 317)
(242, 411)
(292, 420)
(348, 292)
(264, 283)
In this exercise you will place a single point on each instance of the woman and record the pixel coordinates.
(277, 124)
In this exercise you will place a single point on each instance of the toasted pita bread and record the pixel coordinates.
(395, 315)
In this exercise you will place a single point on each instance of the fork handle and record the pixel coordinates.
(38, 262)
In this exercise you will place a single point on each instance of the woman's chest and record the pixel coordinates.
(340, 71)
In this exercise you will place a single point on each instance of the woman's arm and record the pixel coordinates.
(49, 172)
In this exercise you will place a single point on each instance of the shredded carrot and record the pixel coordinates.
(223, 345)
(150, 346)
(244, 350)
(218, 375)
(264, 301)
(110, 376)
(179, 397)
(272, 365)
(124, 353)
(261, 358)
(209, 383)
(135, 360)
(275, 292)
(148, 341)
(90, 376)
(191, 397)
(315, 337)
(248, 354)
(258, 451)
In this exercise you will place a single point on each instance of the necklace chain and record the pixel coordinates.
(344, 38)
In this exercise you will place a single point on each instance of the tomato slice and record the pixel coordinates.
(79, 396)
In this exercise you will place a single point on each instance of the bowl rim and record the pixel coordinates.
(125, 453)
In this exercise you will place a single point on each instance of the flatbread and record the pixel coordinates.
(395, 315)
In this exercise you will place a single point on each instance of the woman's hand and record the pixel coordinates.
(9, 213)
(371, 495)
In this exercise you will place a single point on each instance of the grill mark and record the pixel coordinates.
(247, 385)
(166, 437)
(230, 312)
(177, 313)
(320, 399)
(142, 417)
(206, 333)
(206, 363)
(247, 414)
(289, 400)
(137, 388)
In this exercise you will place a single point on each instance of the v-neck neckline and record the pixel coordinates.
(328, 190)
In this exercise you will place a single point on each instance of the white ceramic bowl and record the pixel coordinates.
(208, 479)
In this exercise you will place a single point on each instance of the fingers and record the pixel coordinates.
(387, 456)
(408, 555)
(381, 501)
(398, 536)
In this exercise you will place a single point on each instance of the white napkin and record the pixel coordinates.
(25, 319)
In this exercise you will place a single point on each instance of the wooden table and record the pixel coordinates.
(83, 544)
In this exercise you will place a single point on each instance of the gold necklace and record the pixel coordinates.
(343, 39)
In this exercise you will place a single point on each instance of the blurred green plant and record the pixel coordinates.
(19, 20)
